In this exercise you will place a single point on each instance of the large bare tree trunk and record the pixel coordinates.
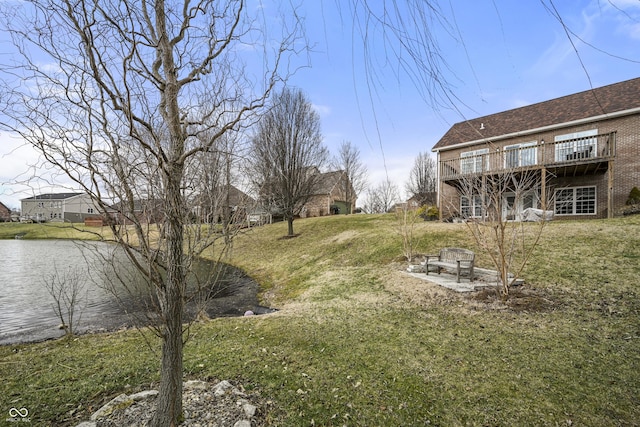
(171, 298)
(169, 400)
(290, 226)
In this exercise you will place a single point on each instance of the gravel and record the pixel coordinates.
(204, 404)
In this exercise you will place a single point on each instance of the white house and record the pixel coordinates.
(59, 207)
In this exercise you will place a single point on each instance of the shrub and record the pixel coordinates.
(634, 196)
(630, 210)
(432, 213)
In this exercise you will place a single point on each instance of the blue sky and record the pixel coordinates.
(499, 54)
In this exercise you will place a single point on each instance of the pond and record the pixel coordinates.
(28, 268)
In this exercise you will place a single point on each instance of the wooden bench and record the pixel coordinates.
(457, 259)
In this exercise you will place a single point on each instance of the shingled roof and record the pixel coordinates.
(53, 196)
(606, 100)
(327, 181)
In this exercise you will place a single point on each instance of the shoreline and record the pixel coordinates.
(239, 296)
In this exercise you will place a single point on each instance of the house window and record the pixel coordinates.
(577, 145)
(575, 201)
(529, 201)
(90, 210)
(519, 155)
(514, 204)
(474, 161)
(471, 207)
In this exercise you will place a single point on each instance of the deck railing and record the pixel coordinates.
(530, 156)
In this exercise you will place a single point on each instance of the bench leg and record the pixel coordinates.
(437, 267)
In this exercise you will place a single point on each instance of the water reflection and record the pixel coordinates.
(26, 307)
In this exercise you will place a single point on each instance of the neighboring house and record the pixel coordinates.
(145, 211)
(229, 201)
(412, 204)
(58, 207)
(330, 196)
(5, 213)
(409, 205)
(584, 147)
(427, 201)
(422, 199)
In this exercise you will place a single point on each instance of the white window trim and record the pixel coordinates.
(520, 203)
(575, 135)
(472, 158)
(573, 209)
(574, 138)
(520, 148)
(476, 203)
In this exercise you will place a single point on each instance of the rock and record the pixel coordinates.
(204, 404)
(144, 395)
(196, 385)
(249, 409)
(222, 387)
(119, 402)
(413, 268)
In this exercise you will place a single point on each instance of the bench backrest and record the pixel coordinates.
(456, 254)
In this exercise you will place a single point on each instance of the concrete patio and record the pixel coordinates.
(483, 278)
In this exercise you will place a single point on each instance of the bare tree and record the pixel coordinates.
(406, 220)
(288, 154)
(121, 97)
(380, 199)
(493, 205)
(212, 178)
(348, 160)
(423, 180)
(67, 289)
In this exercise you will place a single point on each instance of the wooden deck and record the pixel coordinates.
(581, 156)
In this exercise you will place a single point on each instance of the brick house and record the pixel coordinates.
(5, 213)
(228, 201)
(423, 199)
(144, 211)
(58, 207)
(334, 194)
(584, 149)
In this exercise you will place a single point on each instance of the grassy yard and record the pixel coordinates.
(48, 230)
(357, 342)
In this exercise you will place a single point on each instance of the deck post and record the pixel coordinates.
(543, 188)
(610, 190)
(440, 207)
(610, 175)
